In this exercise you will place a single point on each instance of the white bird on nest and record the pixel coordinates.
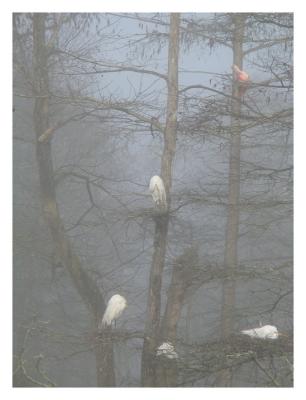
(115, 306)
(167, 349)
(263, 332)
(158, 192)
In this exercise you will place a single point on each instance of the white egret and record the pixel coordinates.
(167, 349)
(263, 332)
(115, 306)
(158, 192)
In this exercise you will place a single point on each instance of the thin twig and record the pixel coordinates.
(258, 363)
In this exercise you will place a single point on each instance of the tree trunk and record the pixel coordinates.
(232, 227)
(148, 371)
(85, 285)
(182, 276)
(167, 369)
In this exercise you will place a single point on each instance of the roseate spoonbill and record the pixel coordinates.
(242, 78)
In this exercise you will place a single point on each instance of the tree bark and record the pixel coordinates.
(232, 227)
(148, 372)
(85, 285)
(183, 273)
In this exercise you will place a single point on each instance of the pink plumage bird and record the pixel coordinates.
(242, 78)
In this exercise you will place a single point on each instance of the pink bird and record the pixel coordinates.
(240, 75)
(242, 78)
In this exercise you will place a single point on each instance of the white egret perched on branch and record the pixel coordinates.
(158, 192)
(263, 332)
(167, 349)
(115, 306)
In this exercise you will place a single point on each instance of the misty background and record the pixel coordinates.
(107, 81)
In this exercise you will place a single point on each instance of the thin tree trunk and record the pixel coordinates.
(188, 320)
(148, 371)
(85, 285)
(182, 276)
(167, 369)
(175, 299)
(232, 227)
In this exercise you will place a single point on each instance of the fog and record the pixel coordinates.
(126, 97)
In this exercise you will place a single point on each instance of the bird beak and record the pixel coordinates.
(282, 334)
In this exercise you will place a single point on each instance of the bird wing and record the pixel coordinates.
(107, 318)
(250, 332)
(261, 333)
(155, 193)
(159, 194)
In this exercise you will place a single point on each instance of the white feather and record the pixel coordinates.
(114, 309)
(167, 349)
(158, 192)
(263, 332)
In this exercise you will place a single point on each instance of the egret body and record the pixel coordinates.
(114, 309)
(158, 192)
(167, 349)
(263, 332)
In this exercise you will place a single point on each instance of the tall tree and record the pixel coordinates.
(84, 283)
(152, 327)
(232, 226)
